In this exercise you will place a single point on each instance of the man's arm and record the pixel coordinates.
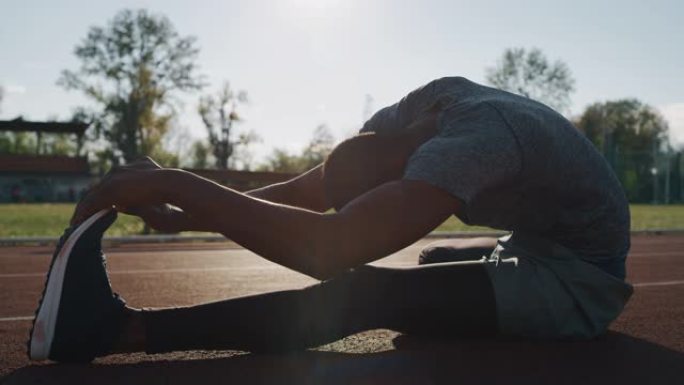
(305, 191)
(374, 225)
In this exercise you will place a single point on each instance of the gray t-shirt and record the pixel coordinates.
(517, 165)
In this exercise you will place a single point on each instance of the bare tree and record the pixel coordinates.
(531, 74)
(219, 113)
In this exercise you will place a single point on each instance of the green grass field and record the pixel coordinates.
(20, 220)
(50, 219)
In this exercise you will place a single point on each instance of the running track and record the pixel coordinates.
(645, 345)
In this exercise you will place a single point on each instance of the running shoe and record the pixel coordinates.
(78, 317)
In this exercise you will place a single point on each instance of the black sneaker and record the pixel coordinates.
(79, 317)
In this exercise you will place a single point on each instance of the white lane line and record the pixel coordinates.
(646, 254)
(11, 319)
(664, 283)
(157, 271)
(192, 270)
(640, 284)
(187, 270)
(23, 275)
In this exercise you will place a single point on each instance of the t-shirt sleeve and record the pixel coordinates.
(474, 150)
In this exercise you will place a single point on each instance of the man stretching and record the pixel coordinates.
(451, 147)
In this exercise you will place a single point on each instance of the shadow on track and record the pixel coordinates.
(613, 359)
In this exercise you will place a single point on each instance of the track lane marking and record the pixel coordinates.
(153, 271)
(189, 270)
(646, 254)
(172, 254)
(663, 283)
(11, 319)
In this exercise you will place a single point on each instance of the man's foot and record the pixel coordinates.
(79, 317)
(457, 250)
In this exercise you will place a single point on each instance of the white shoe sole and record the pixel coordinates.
(43, 330)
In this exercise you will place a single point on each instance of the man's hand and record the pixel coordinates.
(127, 188)
(165, 218)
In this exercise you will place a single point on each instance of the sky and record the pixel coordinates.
(309, 62)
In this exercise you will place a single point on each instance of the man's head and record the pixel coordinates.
(368, 160)
(360, 164)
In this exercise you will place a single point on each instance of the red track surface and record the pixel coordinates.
(645, 345)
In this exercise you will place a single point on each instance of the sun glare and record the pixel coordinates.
(316, 4)
(313, 8)
(308, 13)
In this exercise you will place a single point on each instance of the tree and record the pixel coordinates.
(626, 123)
(632, 136)
(321, 144)
(283, 161)
(315, 152)
(200, 155)
(25, 143)
(218, 114)
(131, 69)
(18, 143)
(530, 74)
(58, 144)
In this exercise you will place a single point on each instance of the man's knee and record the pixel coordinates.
(457, 250)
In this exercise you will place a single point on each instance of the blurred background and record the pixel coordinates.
(253, 92)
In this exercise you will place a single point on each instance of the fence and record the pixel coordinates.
(649, 176)
(28, 178)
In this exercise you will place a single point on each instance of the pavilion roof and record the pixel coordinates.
(20, 125)
(43, 164)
